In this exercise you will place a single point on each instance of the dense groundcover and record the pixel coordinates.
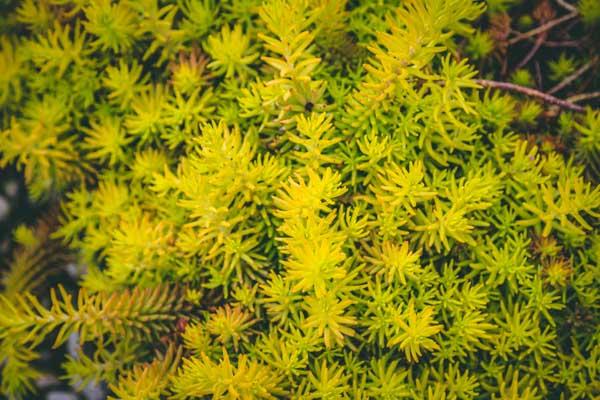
(300, 199)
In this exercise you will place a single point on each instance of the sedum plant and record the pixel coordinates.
(299, 199)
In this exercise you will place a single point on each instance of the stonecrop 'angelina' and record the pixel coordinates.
(289, 199)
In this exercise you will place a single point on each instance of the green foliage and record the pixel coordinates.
(248, 379)
(522, 77)
(59, 48)
(114, 25)
(94, 316)
(562, 67)
(414, 331)
(480, 45)
(529, 112)
(499, 6)
(304, 199)
(588, 141)
(10, 80)
(230, 52)
(590, 12)
(36, 258)
(150, 380)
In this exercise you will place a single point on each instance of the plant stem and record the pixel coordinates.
(583, 97)
(566, 5)
(572, 77)
(546, 27)
(538, 43)
(530, 92)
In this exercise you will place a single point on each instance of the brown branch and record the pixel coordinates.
(569, 79)
(538, 74)
(538, 43)
(530, 92)
(564, 43)
(560, 43)
(546, 27)
(583, 97)
(566, 6)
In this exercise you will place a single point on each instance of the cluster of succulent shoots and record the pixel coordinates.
(290, 199)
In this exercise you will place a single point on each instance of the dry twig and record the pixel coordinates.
(566, 5)
(530, 92)
(543, 28)
(538, 43)
(572, 77)
(583, 96)
(564, 43)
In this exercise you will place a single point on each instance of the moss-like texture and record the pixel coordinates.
(299, 199)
